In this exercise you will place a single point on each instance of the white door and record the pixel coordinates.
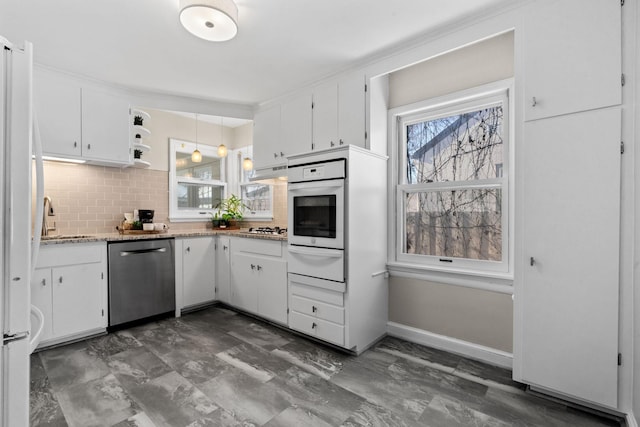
(569, 298)
(15, 248)
(223, 284)
(199, 271)
(572, 56)
(77, 298)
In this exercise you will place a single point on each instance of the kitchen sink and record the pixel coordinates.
(68, 237)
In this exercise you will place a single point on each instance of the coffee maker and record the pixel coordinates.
(146, 216)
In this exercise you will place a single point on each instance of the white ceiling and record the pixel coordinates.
(281, 45)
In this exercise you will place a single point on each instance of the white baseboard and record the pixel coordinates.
(631, 420)
(452, 345)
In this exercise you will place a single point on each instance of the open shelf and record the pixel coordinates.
(140, 164)
(141, 147)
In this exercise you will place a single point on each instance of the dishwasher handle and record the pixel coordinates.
(142, 251)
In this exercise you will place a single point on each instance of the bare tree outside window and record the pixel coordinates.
(465, 220)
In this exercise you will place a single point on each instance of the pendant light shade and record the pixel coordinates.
(222, 150)
(213, 20)
(196, 156)
(247, 164)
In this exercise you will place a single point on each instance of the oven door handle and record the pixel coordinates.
(326, 253)
(320, 185)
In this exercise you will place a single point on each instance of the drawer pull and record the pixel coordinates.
(314, 308)
(313, 325)
(44, 282)
(60, 279)
(253, 267)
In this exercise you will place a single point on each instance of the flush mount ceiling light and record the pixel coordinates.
(213, 20)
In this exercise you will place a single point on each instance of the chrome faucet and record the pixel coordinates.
(47, 212)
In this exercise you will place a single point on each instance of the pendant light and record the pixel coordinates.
(196, 156)
(222, 150)
(247, 164)
(212, 20)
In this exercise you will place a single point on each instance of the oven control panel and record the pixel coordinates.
(314, 172)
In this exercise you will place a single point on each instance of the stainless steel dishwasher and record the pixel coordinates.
(141, 279)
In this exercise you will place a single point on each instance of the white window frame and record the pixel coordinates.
(237, 181)
(191, 215)
(474, 98)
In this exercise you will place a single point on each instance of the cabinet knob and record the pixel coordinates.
(75, 144)
(188, 249)
(314, 308)
(258, 267)
(253, 267)
(532, 261)
(89, 146)
(332, 143)
(341, 142)
(313, 325)
(275, 155)
(224, 247)
(44, 282)
(534, 102)
(60, 279)
(281, 154)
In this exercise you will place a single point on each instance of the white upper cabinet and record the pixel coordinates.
(105, 127)
(325, 116)
(339, 113)
(296, 126)
(266, 138)
(571, 64)
(79, 122)
(57, 104)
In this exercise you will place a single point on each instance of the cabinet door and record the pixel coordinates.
(296, 126)
(57, 103)
(572, 56)
(41, 290)
(272, 289)
(266, 138)
(569, 298)
(223, 284)
(105, 127)
(325, 116)
(77, 299)
(244, 283)
(351, 110)
(198, 271)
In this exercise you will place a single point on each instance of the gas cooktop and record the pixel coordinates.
(276, 231)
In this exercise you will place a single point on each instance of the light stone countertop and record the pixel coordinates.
(117, 237)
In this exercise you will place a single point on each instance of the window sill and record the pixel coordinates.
(484, 280)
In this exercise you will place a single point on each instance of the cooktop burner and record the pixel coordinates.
(268, 230)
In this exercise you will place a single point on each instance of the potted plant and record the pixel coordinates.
(137, 120)
(137, 154)
(229, 211)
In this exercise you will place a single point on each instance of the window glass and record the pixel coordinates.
(199, 196)
(209, 168)
(465, 146)
(458, 223)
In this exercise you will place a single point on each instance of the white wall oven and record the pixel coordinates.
(316, 203)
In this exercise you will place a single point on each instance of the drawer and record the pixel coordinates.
(317, 309)
(318, 328)
(70, 254)
(257, 246)
(316, 294)
(317, 262)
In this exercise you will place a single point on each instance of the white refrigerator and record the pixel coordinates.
(16, 133)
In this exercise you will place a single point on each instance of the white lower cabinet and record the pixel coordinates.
(259, 278)
(315, 311)
(223, 265)
(69, 286)
(195, 271)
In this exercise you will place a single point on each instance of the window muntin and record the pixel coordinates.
(452, 183)
(195, 189)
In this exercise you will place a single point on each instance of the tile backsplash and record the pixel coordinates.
(90, 199)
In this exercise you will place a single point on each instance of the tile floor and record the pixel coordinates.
(216, 367)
